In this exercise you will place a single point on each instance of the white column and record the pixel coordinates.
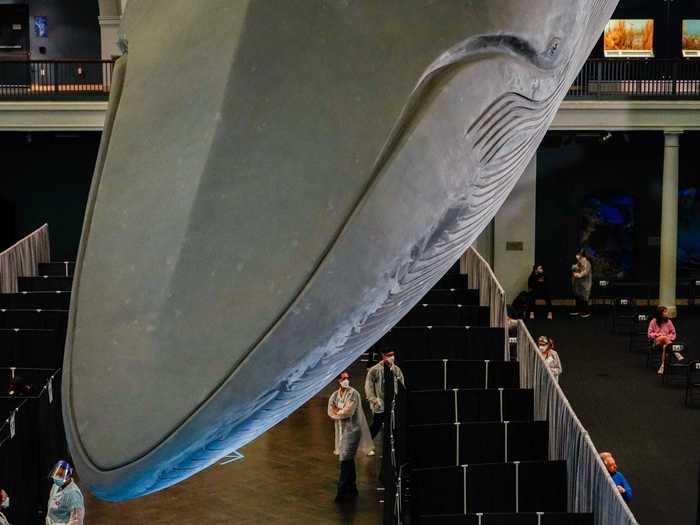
(514, 234)
(109, 34)
(669, 223)
(484, 243)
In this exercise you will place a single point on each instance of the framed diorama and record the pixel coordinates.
(691, 38)
(41, 26)
(629, 38)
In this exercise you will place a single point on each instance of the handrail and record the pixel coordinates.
(491, 293)
(42, 79)
(637, 78)
(22, 258)
(591, 488)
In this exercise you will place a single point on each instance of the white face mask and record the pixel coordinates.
(5, 503)
(542, 348)
(390, 360)
(345, 383)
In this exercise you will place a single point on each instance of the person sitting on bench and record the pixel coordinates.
(662, 333)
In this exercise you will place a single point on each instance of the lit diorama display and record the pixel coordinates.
(691, 38)
(629, 38)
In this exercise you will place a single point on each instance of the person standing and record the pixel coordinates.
(662, 333)
(551, 357)
(66, 505)
(374, 389)
(582, 280)
(351, 434)
(539, 289)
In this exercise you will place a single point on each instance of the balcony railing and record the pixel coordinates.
(55, 79)
(637, 79)
(598, 79)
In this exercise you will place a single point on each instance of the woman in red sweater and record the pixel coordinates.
(662, 333)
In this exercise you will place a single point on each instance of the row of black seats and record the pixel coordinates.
(46, 283)
(56, 300)
(446, 315)
(451, 296)
(30, 348)
(523, 518)
(529, 486)
(456, 373)
(473, 443)
(430, 407)
(57, 269)
(444, 342)
(36, 318)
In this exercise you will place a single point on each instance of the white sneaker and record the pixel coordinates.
(585, 316)
(660, 371)
(371, 453)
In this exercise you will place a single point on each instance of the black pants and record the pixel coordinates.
(376, 426)
(539, 294)
(347, 479)
(582, 305)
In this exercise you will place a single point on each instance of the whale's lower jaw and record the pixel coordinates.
(470, 128)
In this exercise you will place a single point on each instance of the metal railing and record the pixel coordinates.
(480, 276)
(591, 488)
(635, 78)
(55, 79)
(23, 258)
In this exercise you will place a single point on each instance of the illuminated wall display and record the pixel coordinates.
(629, 38)
(691, 38)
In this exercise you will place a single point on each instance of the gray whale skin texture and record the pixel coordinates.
(278, 183)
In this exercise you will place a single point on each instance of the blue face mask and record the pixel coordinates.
(59, 482)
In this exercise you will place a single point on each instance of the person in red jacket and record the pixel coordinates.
(662, 333)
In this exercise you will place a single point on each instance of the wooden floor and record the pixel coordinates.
(288, 476)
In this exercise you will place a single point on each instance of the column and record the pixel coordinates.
(109, 35)
(514, 234)
(669, 223)
(109, 20)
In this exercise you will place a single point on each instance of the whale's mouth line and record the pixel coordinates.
(459, 56)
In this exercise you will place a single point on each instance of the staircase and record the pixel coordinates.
(466, 441)
(33, 323)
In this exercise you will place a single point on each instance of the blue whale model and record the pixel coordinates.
(278, 183)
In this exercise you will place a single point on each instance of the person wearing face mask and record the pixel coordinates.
(551, 357)
(66, 505)
(351, 434)
(662, 333)
(4, 505)
(582, 280)
(539, 289)
(621, 483)
(374, 389)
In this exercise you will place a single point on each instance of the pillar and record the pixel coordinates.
(109, 19)
(514, 234)
(669, 223)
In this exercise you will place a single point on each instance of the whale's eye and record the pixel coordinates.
(553, 47)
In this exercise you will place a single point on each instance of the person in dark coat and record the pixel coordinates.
(538, 286)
